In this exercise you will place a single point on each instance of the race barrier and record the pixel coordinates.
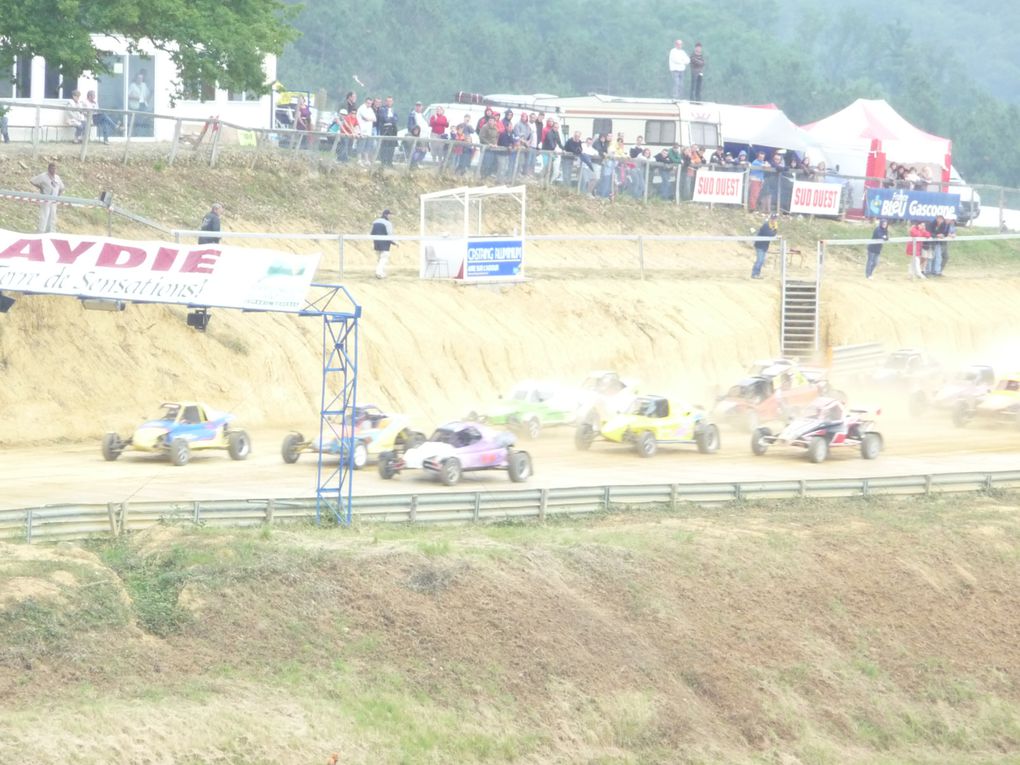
(850, 359)
(54, 523)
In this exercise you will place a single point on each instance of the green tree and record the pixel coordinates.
(223, 41)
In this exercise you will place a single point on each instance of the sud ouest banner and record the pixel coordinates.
(901, 204)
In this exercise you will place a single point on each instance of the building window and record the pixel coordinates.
(601, 125)
(16, 79)
(199, 91)
(233, 95)
(58, 84)
(660, 132)
(705, 134)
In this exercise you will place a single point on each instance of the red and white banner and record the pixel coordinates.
(815, 198)
(719, 187)
(155, 272)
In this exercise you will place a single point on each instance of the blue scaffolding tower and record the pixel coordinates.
(334, 487)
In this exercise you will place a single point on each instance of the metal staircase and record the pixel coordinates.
(799, 312)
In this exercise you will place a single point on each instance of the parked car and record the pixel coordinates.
(1001, 404)
(457, 448)
(375, 431)
(651, 421)
(828, 425)
(180, 428)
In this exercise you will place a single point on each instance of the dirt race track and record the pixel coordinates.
(33, 477)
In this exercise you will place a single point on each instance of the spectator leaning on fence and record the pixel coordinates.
(915, 268)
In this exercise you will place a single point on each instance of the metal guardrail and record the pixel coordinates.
(849, 359)
(73, 522)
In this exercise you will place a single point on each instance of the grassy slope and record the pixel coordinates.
(856, 632)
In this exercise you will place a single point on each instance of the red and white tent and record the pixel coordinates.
(867, 133)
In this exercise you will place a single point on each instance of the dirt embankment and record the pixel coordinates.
(435, 349)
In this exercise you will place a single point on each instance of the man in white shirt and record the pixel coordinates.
(678, 61)
(48, 183)
(366, 122)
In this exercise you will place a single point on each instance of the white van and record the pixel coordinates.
(970, 200)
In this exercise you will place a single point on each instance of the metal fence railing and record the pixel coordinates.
(67, 522)
(211, 140)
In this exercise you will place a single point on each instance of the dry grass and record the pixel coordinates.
(817, 632)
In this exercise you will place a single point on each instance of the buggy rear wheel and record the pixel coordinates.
(871, 445)
(238, 445)
(758, 443)
(387, 465)
(450, 471)
(708, 439)
(646, 444)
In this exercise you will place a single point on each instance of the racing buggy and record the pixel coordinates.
(654, 420)
(179, 429)
(374, 431)
(827, 426)
(531, 406)
(1000, 406)
(457, 448)
(776, 392)
(912, 373)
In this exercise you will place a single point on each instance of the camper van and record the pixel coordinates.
(970, 200)
(660, 121)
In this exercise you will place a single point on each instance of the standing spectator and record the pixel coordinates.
(366, 124)
(417, 119)
(769, 228)
(773, 202)
(302, 120)
(48, 183)
(523, 132)
(694, 162)
(950, 234)
(938, 229)
(697, 71)
(3, 124)
(388, 122)
(915, 269)
(488, 137)
(139, 94)
(552, 143)
(664, 171)
(638, 148)
(382, 226)
(351, 102)
(678, 61)
(349, 132)
(462, 149)
(756, 180)
(505, 142)
(573, 150)
(104, 125)
(439, 126)
(211, 222)
(880, 234)
(76, 116)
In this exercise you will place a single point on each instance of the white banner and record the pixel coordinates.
(815, 198)
(719, 187)
(155, 272)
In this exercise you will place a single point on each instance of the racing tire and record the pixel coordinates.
(360, 454)
(961, 414)
(918, 403)
(584, 436)
(289, 449)
(646, 444)
(450, 471)
(871, 445)
(708, 439)
(238, 444)
(112, 447)
(519, 466)
(817, 449)
(533, 428)
(387, 465)
(758, 445)
(180, 452)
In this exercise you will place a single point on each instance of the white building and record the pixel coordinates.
(33, 81)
